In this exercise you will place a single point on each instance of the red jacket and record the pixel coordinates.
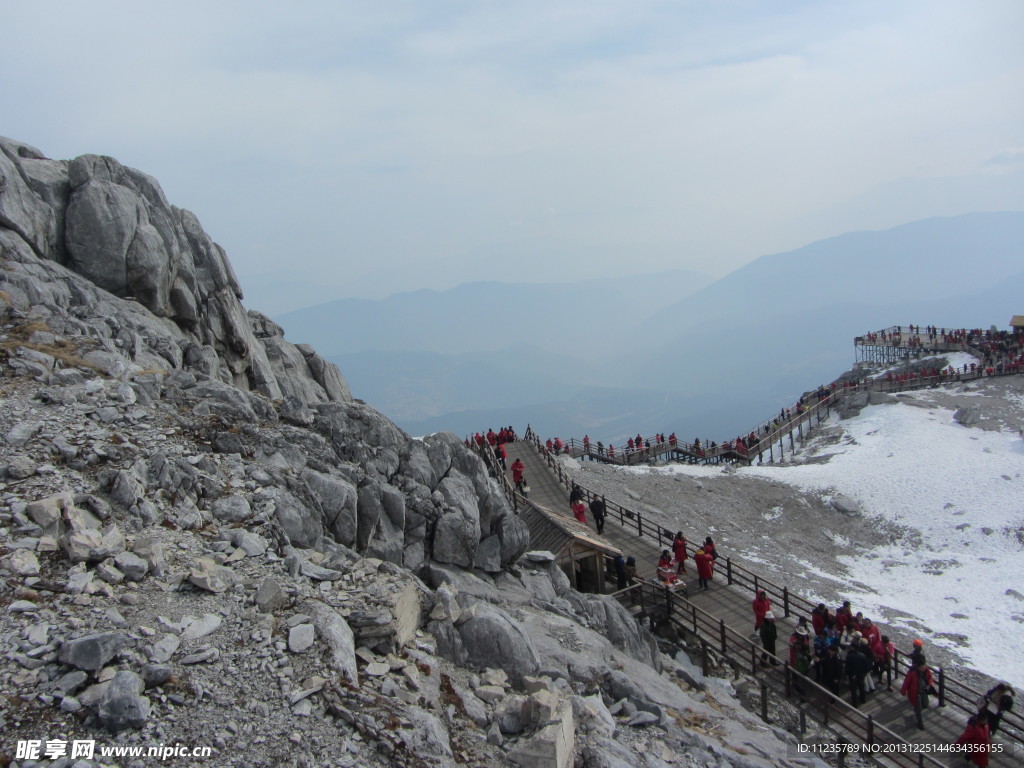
(705, 565)
(909, 688)
(579, 509)
(518, 468)
(761, 607)
(818, 621)
(976, 735)
(679, 548)
(843, 617)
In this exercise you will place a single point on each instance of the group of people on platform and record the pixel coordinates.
(501, 437)
(838, 649)
(579, 508)
(846, 649)
(672, 562)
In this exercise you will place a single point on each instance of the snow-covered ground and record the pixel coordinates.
(962, 490)
(937, 550)
(954, 572)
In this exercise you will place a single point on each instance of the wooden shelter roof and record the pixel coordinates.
(553, 532)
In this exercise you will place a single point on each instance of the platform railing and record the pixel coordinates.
(775, 675)
(951, 690)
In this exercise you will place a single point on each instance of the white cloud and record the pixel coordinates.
(356, 136)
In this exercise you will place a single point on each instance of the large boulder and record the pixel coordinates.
(492, 639)
(113, 226)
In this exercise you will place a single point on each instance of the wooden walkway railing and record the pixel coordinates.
(772, 439)
(951, 690)
(743, 656)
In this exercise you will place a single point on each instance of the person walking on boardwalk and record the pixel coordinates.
(762, 605)
(575, 494)
(597, 509)
(976, 741)
(857, 667)
(709, 547)
(579, 511)
(997, 701)
(916, 686)
(501, 453)
(518, 470)
(831, 669)
(705, 568)
(621, 580)
(917, 655)
(679, 548)
(769, 635)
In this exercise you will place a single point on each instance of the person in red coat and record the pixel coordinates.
(843, 616)
(518, 470)
(679, 548)
(916, 686)
(870, 630)
(976, 741)
(761, 606)
(705, 567)
(579, 511)
(709, 548)
(819, 619)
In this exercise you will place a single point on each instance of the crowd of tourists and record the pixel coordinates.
(843, 651)
(846, 651)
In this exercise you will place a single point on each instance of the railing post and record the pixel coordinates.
(639, 524)
(785, 602)
(728, 569)
(942, 687)
(753, 659)
(757, 586)
(871, 729)
(764, 701)
(668, 603)
(787, 675)
(705, 665)
(721, 630)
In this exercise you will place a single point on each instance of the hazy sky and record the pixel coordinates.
(352, 148)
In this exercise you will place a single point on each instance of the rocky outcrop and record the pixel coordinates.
(204, 540)
(77, 236)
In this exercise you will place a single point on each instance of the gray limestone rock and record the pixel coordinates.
(845, 505)
(207, 575)
(337, 635)
(968, 415)
(21, 562)
(492, 639)
(91, 652)
(132, 566)
(231, 509)
(300, 638)
(270, 597)
(122, 705)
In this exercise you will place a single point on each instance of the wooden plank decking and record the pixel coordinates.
(732, 605)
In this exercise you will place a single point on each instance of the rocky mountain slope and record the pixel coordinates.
(207, 543)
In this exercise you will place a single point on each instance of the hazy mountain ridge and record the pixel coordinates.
(726, 356)
(487, 316)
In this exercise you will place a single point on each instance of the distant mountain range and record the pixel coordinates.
(674, 351)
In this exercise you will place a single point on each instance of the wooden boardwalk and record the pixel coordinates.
(732, 605)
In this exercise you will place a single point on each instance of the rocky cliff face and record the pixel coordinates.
(113, 227)
(207, 542)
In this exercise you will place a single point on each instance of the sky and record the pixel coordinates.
(341, 149)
